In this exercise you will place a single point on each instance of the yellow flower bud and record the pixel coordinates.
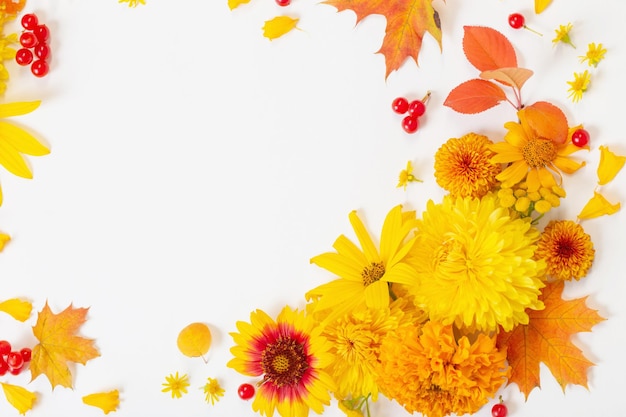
(542, 206)
(522, 204)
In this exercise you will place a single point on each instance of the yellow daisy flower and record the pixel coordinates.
(463, 166)
(595, 54)
(175, 384)
(475, 264)
(427, 371)
(290, 354)
(212, 390)
(579, 85)
(364, 274)
(531, 157)
(406, 176)
(562, 35)
(567, 250)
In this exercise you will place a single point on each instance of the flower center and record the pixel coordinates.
(372, 273)
(538, 152)
(565, 249)
(284, 362)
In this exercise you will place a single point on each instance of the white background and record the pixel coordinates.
(196, 167)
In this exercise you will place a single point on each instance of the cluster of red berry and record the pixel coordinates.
(12, 361)
(35, 49)
(415, 110)
(283, 3)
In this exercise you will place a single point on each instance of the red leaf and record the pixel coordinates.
(487, 49)
(474, 96)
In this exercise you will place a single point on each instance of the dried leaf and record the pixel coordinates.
(610, 164)
(546, 120)
(540, 5)
(407, 23)
(59, 344)
(20, 398)
(194, 340)
(278, 26)
(474, 96)
(546, 338)
(487, 49)
(19, 309)
(106, 401)
(233, 4)
(598, 206)
(508, 76)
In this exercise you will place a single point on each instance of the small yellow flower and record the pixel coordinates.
(406, 176)
(579, 85)
(106, 401)
(132, 3)
(176, 384)
(595, 54)
(213, 390)
(562, 35)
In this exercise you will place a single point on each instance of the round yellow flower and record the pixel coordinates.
(463, 167)
(426, 370)
(475, 264)
(567, 250)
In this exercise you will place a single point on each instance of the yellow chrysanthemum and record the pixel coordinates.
(532, 157)
(427, 371)
(567, 250)
(213, 390)
(290, 354)
(562, 35)
(463, 166)
(176, 384)
(364, 274)
(475, 264)
(595, 54)
(579, 86)
(406, 176)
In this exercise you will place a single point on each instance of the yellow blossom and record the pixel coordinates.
(579, 85)
(598, 206)
(132, 3)
(566, 248)
(106, 401)
(176, 384)
(562, 35)
(610, 164)
(212, 390)
(595, 54)
(406, 176)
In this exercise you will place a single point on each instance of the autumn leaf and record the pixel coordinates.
(515, 76)
(278, 26)
(19, 309)
(407, 23)
(59, 344)
(540, 5)
(194, 340)
(20, 398)
(547, 121)
(474, 96)
(546, 338)
(487, 49)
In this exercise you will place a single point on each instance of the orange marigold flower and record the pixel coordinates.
(567, 250)
(428, 371)
(463, 167)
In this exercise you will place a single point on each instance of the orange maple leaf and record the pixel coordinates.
(59, 344)
(407, 22)
(546, 338)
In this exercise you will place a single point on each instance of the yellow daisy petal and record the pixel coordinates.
(19, 309)
(18, 108)
(20, 398)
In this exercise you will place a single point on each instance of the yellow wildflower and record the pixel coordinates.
(106, 401)
(406, 176)
(595, 54)
(175, 384)
(610, 164)
(579, 85)
(213, 390)
(562, 35)
(132, 3)
(566, 248)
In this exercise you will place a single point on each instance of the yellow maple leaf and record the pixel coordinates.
(540, 5)
(194, 340)
(278, 26)
(59, 344)
(233, 4)
(106, 401)
(20, 398)
(19, 309)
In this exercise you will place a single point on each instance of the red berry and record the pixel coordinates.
(26, 354)
(42, 51)
(29, 21)
(246, 391)
(4, 367)
(417, 108)
(516, 20)
(580, 137)
(15, 360)
(23, 56)
(410, 124)
(28, 39)
(42, 33)
(39, 68)
(400, 105)
(499, 410)
(15, 371)
(283, 3)
(5, 348)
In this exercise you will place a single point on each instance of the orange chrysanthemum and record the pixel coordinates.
(463, 167)
(567, 250)
(428, 371)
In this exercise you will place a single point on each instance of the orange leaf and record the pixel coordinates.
(546, 120)
(59, 344)
(546, 338)
(508, 76)
(407, 22)
(474, 96)
(487, 49)
(194, 340)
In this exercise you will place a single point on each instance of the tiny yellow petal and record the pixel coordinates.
(598, 206)
(610, 164)
(18, 108)
(233, 4)
(4, 238)
(20, 398)
(540, 5)
(278, 26)
(106, 401)
(19, 309)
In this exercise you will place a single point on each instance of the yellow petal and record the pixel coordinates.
(540, 5)
(18, 108)
(106, 401)
(13, 161)
(610, 164)
(19, 309)
(233, 4)
(278, 26)
(598, 206)
(20, 398)
(21, 140)
(4, 238)
(194, 340)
